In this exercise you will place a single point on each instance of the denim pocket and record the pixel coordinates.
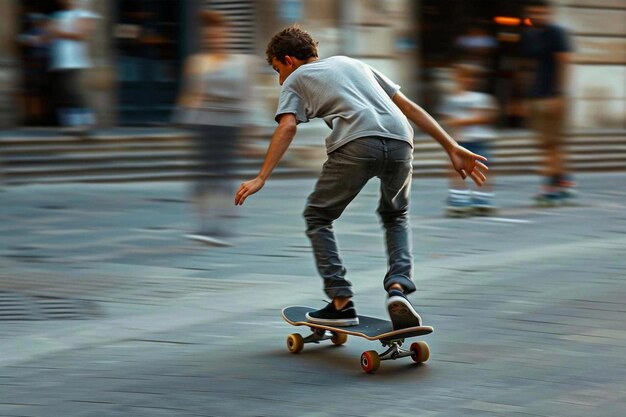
(398, 172)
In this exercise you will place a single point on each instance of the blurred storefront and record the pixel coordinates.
(149, 43)
(489, 30)
(139, 47)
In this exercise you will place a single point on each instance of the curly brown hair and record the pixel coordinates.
(292, 41)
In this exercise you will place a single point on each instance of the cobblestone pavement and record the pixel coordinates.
(107, 310)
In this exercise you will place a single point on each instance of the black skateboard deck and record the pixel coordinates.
(370, 328)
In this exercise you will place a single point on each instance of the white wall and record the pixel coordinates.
(598, 72)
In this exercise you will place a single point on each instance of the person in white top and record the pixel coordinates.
(70, 30)
(470, 115)
(214, 106)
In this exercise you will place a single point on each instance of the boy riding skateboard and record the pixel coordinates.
(371, 137)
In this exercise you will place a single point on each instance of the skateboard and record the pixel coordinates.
(484, 211)
(370, 328)
(459, 211)
(564, 197)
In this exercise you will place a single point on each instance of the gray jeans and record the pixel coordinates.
(344, 174)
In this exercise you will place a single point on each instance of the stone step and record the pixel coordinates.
(164, 154)
(100, 157)
(180, 153)
(435, 170)
(176, 141)
(422, 163)
(170, 175)
(158, 158)
(56, 136)
(101, 167)
(95, 147)
(41, 138)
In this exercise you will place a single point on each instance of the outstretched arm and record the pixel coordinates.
(281, 139)
(464, 162)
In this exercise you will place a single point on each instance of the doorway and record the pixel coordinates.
(149, 40)
(35, 94)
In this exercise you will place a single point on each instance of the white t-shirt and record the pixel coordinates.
(466, 105)
(69, 53)
(352, 98)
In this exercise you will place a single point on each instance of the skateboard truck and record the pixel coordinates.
(317, 336)
(370, 360)
(395, 350)
(295, 341)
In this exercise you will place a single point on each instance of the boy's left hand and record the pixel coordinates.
(248, 188)
(468, 163)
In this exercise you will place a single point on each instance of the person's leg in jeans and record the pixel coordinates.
(344, 174)
(393, 208)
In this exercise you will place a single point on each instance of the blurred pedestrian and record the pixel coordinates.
(69, 32)
(34, 43)
(371, 137)
(213, 105)
(477, 45)
(548, 46)
(471, 116)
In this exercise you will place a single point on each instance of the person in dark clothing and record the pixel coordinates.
(34, 44)
(548, 47)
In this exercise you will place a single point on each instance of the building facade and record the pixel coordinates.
(598, 71)
(140, 45)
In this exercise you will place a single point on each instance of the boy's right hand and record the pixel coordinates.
(468, 163)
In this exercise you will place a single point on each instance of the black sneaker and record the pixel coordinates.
(331, 316)
(401, 312)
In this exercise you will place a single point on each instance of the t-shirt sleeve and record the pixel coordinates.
(389, 86)
(290, 102)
